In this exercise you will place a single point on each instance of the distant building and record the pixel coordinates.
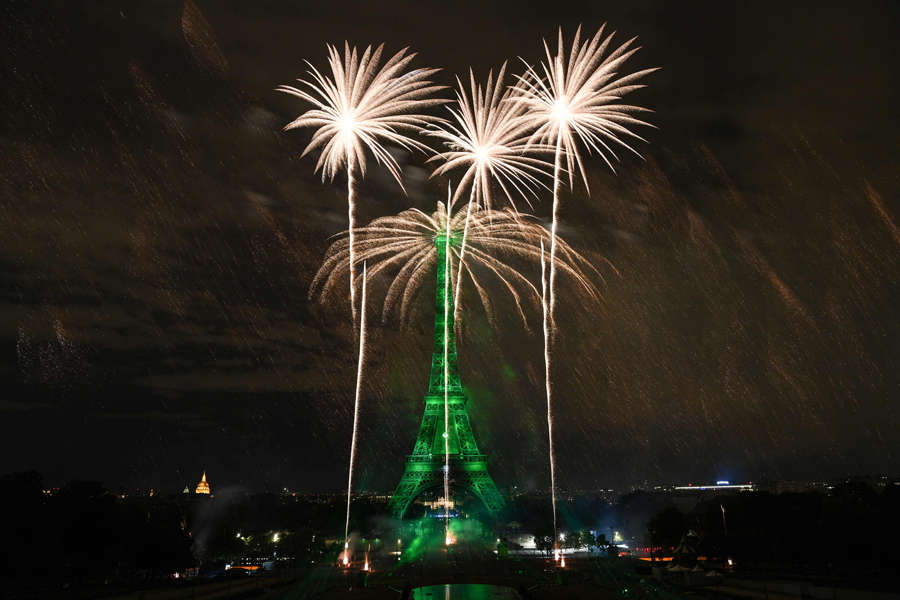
(440, 508)
(720, 486)
(203, 486)
(686, 497)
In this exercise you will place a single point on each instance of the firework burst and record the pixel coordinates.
(576, 100)
(363, 106)
(403, 247)
(488, 137)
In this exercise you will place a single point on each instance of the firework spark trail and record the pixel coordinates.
(446, 286)
(359, 373)
(547, 380)
(351, 229)
(570, 101)
(548, 333)
(363, 106)
(462, 247)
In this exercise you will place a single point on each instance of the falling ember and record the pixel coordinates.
(556, 554)
(562, 563)
(359, 373)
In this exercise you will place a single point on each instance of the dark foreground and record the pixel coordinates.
(467, 574)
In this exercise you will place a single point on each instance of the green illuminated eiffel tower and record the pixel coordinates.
(424, 467)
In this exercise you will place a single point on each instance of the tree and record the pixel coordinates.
(667, 527)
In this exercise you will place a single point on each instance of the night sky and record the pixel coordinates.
(159, 232)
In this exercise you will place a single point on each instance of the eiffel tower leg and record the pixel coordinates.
(411, 485)
(483, 486)
(490, 495)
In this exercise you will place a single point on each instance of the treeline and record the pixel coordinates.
(854, 529)
(83, 535)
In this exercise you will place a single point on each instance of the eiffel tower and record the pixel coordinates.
(425, 466)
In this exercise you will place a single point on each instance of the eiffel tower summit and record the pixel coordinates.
(425, 466)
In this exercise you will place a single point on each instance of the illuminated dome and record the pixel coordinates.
(203, 486)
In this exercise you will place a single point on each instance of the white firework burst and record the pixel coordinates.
(363, 106)
(488, 137)
(577, 98)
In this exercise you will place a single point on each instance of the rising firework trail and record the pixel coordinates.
(487, 136)
(363, 107)
(446, 267)
(546, 329)
(359, 373)
(576, 101)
